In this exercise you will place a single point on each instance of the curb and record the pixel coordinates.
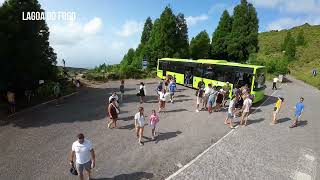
(38, 105)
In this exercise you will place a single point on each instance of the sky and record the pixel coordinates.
(104, 30)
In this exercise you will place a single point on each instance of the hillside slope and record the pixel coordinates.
(308, 56)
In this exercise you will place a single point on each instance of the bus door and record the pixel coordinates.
(164, 69)
(189, 73)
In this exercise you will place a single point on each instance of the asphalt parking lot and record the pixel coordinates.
(36, 142)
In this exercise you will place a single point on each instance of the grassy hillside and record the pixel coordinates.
(307, 56)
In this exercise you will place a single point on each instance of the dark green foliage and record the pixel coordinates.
(200, 46)
(290, 50)
(274, 65)
(300, 39)
(146, 31)
(220, 37)
(182, 40)
(286, 40)
(26, 55)
(244, 33)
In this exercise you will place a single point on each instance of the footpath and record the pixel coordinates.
(262, 151)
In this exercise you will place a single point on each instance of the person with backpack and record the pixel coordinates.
(172, 89)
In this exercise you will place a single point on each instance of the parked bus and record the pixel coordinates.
(216, 72)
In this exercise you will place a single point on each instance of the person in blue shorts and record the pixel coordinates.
(298, 112)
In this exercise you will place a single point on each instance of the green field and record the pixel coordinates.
(307, 56)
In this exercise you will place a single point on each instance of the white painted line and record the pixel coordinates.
(309, 157)
(302, 176)
(41, 104)
(195, 159)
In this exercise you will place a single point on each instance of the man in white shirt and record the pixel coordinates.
(274, 84)
(207, 91)
(84, 154)
(247, 103)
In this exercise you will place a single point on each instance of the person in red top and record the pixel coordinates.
(113, 113)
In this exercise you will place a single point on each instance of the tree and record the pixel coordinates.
(182, 40)
(290, 50)
(244, 33)
(200, 46)
(25, 48)
(286, 40)
(146, 31)
(300, 38)
(220, 37)
(163, 35)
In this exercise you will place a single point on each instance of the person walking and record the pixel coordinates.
(276, 110)
(219, 100)
(121, 89)
(83, 152)
(142, 92)
(116, 97)
(163, 96)
(207, 92)
(139, 122)
(113, 113)
(314, 72)
(212, 100)
(57, 92)
(298, 112)
(231, 111)
(247, 103)
(274, 84)
(154, 119)
(11, 96)
(226, 88)
(199, 94)
(172, 89)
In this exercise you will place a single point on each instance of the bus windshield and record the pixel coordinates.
(260, 79)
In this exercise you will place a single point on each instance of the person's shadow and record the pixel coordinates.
(166, 136)
(131, 176)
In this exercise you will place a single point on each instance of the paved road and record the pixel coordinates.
(36, 143)
(260, 151)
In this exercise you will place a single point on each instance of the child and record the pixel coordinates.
(276, 110)
(219, 100)
(154, 119)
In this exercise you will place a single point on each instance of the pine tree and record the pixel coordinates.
(244, 33)
(182, 41)
(286, 40)
(220, 37)
(200, 46)
(290, 50)
(146, 31)
(300, 38)
(27, 49)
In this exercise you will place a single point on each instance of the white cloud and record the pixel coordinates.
(73, 32)
(130, 28)
(286, 23)
(290, 6)
(93, 26)
(193, 20)
(1, 1)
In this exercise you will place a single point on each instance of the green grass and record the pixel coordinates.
(307, 56)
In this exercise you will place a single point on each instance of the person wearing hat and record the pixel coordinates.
(247, 103)
(276, 110)
(84, 155)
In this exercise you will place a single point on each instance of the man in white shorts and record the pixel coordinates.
(85, 156)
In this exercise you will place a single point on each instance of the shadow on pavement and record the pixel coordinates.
(126, 118)
(167, 135)
(255, 121)
(182, 100)
(132, 176)
(302, 123)
(282, 120)
(176, 110)
(129, 127)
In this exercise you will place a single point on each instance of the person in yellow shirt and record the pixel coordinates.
(276, 110)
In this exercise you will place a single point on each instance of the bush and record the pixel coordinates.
(45, 90)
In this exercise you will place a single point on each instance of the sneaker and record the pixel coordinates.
(141, 143)
(197, 110)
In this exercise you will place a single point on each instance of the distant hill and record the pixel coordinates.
(308, 56)
(74, 69)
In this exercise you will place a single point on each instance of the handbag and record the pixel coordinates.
(73, 170)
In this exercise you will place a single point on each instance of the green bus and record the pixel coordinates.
(216, 72)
